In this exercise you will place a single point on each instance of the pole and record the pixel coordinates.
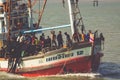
(30, 14)
(9, 14)
(40, 16)
(71, 16)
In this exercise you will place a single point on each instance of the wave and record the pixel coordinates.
(109, 69)
(9, 76)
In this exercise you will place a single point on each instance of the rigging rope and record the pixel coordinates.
(62, 69)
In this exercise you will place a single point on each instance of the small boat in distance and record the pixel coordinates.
(81, 55)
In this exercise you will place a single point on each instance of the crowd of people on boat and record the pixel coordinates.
(28, 44)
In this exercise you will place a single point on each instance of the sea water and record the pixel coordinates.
(105, 18)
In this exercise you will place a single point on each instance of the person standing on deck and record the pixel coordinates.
(34, 39)
(68, 40)
(41, 42)
(28, 39)
(17, 57)
(48, 41)
(53, 39)
(82, 37)
(91, 36)
(20, 38)
(11, 47)
(76, 37)
(60, 39)
(102, 40)
(2, 52)
(43, 36)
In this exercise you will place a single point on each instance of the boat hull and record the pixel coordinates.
(75, 65)
(60, 61)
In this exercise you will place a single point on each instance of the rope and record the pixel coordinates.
(62, 68)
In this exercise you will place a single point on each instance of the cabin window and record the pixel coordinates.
(79, 52)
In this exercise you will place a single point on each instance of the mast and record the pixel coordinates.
(30, 14)
(71, 16)
(41, 13)
(8, 7)
(75, 16)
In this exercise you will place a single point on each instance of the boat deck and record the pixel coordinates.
(50, 51)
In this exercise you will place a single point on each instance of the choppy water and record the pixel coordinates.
(105, 18)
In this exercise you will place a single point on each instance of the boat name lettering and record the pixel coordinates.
(80, 52)
(59, 56)
(40, 61)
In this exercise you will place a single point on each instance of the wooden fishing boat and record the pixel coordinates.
(80, 57)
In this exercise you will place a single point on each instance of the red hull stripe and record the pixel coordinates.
(72, 66)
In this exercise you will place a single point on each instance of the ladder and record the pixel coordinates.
(76, 16)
